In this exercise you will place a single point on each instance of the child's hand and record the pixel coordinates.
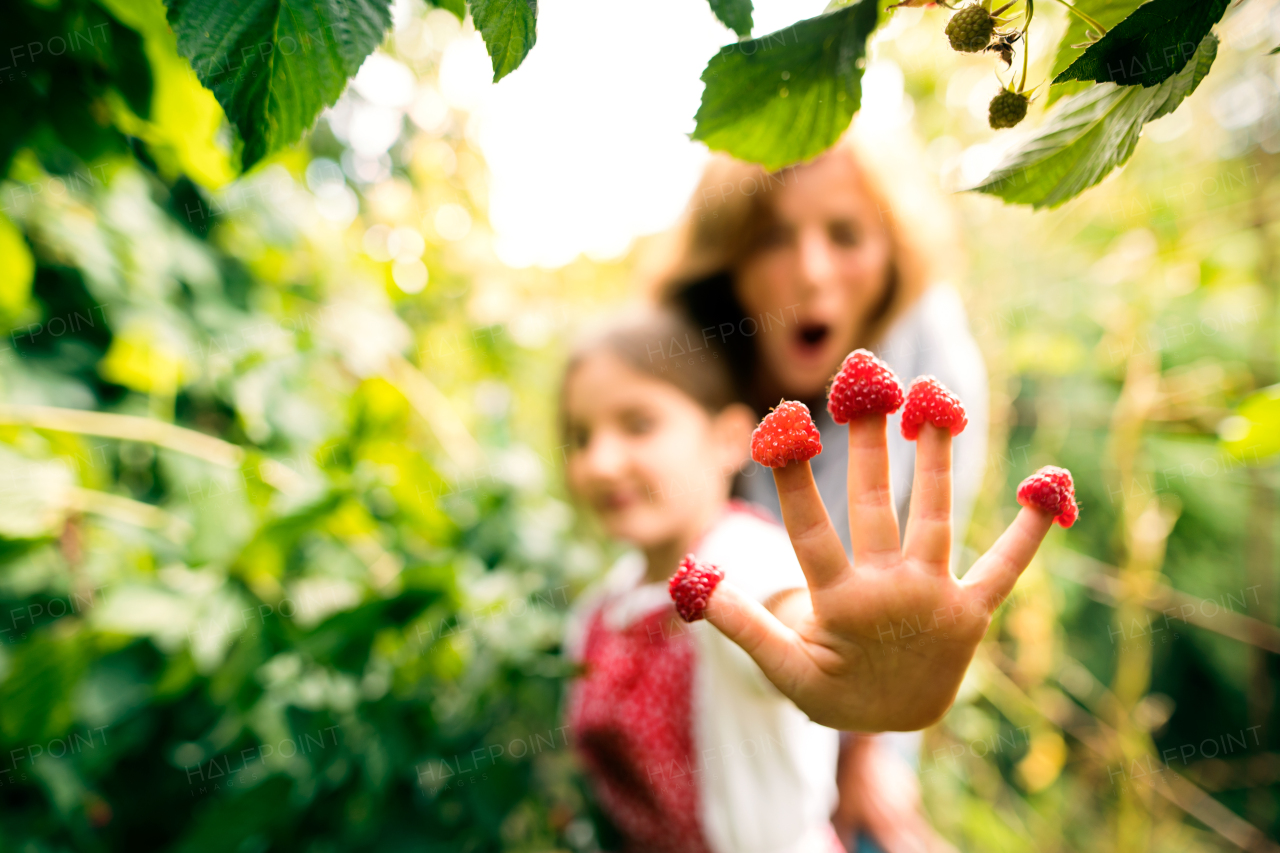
(881, 644)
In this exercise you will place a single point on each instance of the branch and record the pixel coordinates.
(1161, 598)
(434, 408)
(126, 428)
(129, 511)
(1177, 789)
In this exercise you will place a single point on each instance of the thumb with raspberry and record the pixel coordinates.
(880, 642)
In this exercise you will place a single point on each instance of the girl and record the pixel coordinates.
(689, 746)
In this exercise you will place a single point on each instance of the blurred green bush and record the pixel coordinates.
(260, 586)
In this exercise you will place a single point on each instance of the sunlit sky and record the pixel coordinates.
(587, 141)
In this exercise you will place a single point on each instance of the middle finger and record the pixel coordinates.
(873, 520)
(928, 536)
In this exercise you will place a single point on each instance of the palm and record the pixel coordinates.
(880, 643)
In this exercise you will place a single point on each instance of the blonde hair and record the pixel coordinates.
(692, 267)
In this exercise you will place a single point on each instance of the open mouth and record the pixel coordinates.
(614, 502)
(811, 336)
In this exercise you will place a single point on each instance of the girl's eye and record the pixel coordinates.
(579, 437)
(638, 424)
(843, 233)
(775, 236)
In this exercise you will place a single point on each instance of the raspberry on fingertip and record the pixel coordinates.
(691, 587)
(865, 385)
(931, 402)
(1051, 490)
(787, 434)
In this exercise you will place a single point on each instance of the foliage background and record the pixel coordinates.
(283, 546)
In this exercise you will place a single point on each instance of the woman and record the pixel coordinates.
(786, 274)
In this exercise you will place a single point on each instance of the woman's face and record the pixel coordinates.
(822, 266)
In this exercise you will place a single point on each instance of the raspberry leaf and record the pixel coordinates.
(1088, 136)
(274, 65)
(734, 14)
(1149, 46)
(457, 7)
(509, 31)
(787, 96)
(1108, 13)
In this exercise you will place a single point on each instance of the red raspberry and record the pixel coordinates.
(931, 402)
(787, 434)
(691, 587)
(864, 386)
(1051, 490)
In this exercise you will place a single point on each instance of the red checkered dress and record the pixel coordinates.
(631, 718)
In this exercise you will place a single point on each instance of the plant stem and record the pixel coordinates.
(1026, 50)
(1098, 28)
(126, 428)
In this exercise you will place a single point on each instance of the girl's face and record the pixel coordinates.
(823, 267)
(653, 465)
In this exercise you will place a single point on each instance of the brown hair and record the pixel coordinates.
(663, 344)
(693, 271)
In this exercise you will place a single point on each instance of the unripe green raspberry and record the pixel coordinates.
(971, 28)
(1007, 109)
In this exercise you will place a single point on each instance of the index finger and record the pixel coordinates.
(816, 543)
(873, 519)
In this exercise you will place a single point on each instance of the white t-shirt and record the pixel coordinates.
(766, 774)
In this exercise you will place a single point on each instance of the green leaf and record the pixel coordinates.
(457, 7)
(787, 96)
(17, 270)
(1275, 49)
(1253, 433)
(275, 64)
(1089, 135)
(185, 118)
(37, 699)
(1108, 13)
(509, 31)
(734, 14)
(1149, 46)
